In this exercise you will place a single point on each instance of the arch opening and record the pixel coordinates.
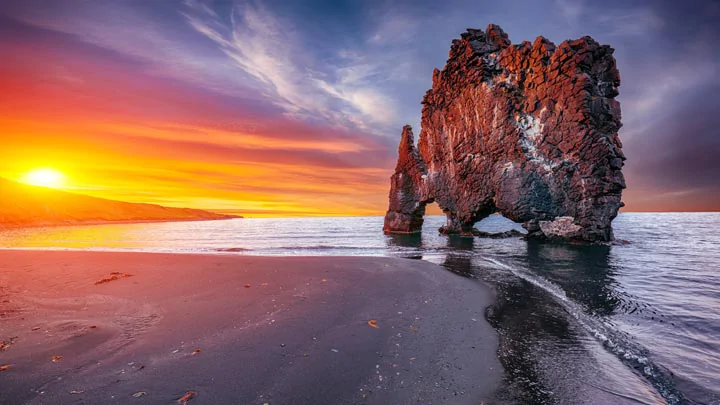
(487, 221)
(498, 225)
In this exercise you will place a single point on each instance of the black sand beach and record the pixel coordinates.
(241, 329)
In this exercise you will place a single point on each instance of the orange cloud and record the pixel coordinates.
(117, 133)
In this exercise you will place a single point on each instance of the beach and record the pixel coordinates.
(109, 327)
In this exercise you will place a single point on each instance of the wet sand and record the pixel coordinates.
(241, 329)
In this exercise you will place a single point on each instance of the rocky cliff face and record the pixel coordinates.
(527, 130)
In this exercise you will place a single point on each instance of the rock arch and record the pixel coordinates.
(527, 130)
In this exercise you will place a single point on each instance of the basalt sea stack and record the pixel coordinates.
(527, 130)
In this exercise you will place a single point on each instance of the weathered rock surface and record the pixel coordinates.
(513, 233)
(527, 130)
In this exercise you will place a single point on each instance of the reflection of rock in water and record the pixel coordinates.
(408, 240)
(521, 317)
(583, 271)
(463, 243)
(530, 321)
(413, 241)
(541, 348)
(525, 317)
(458, 260)
(459, 264)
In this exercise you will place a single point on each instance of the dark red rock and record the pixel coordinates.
(526, 130)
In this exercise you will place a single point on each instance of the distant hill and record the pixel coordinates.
(23, 205)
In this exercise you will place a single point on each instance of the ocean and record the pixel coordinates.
(639, 319)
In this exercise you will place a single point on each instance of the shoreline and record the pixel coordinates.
(289, 329)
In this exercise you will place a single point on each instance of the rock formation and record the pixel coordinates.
(527, 130)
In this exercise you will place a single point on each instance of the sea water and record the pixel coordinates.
(638, 320)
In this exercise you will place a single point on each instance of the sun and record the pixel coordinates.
(44, 177)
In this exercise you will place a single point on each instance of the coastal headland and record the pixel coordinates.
(23, 206)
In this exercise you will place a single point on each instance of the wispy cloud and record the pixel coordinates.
(571, 10)
(629, 22)
(159, 46)
(612, 21)
(394, 27)
(643, 108)
(218, 82)
(343, 90)
(257, 56)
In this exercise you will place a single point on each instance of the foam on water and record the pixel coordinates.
(612, 339)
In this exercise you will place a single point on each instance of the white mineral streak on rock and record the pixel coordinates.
(508, 167)
(530, 135)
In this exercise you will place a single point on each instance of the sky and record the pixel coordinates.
(296, 107)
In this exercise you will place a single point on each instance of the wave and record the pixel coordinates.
(319, 247)
(284, 250)
(617, 342)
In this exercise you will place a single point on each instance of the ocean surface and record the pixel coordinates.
(638, 320)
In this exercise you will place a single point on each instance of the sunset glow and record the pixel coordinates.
(44, 177)
(228, 108)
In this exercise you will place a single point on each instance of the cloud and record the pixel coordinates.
(257, 56)
(611, 21)
(646, 105)
(629, 22)
(157, 45)
(219, 80)
(394, 27)
(571, 10)
(341, 90)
